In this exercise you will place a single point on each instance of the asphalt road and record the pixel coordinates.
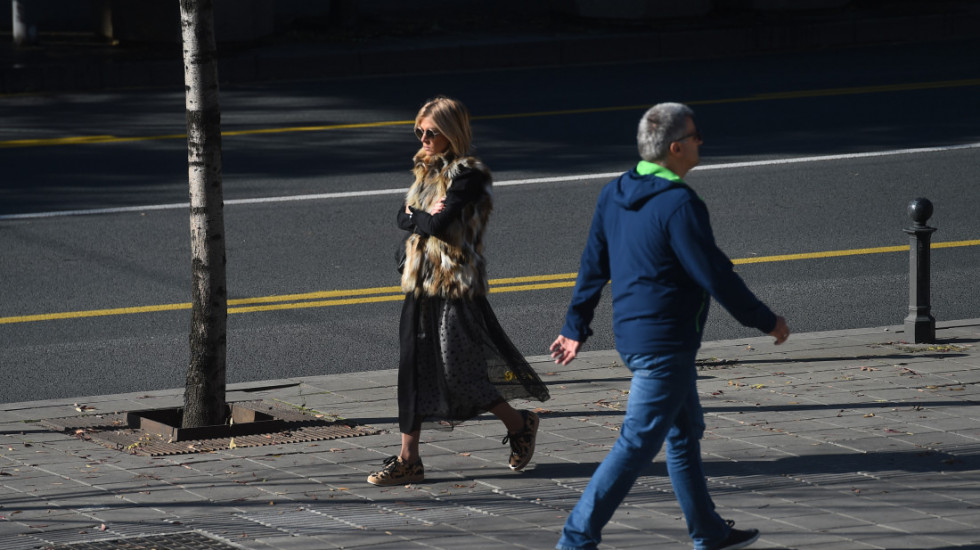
(808, 165)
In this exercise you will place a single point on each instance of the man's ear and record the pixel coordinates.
(675, 147)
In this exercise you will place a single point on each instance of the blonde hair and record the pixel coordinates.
(451, 119)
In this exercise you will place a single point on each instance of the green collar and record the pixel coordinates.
(645, 168)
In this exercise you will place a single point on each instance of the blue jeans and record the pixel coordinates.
(663, 406)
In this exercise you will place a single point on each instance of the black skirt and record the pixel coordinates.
(456, 363)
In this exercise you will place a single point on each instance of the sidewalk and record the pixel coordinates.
(834, 440)
(73, 63)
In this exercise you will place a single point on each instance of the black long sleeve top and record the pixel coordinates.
(467, 187)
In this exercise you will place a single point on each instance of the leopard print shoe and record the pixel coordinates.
(396, 472)
(522, 444)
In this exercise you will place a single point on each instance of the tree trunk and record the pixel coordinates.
(102, 19)
(22, 24)
(204, 394)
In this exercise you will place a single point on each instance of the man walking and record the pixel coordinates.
(652, 238)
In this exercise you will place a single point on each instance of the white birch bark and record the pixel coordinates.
(204, 394)
(22, 25)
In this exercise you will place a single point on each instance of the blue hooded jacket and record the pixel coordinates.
(651, 237)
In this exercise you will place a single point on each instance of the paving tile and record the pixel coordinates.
(804, 461)
(292, 543)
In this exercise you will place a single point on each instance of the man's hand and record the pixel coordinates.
(563, 350)
(781, 332)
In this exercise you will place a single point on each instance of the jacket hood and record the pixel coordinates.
(636, 187)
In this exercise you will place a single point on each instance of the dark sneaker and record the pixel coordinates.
(396, 472)
(522, 444)
(737, 538)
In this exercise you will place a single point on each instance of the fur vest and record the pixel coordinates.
(449, 265)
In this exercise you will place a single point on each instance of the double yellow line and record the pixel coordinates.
(800, 94)
(324, 298)
(330, 298)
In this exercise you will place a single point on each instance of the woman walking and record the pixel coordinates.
(456, 361)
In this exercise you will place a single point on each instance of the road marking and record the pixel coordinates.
(766, 96)
(505, 183)
(329, 298)
(89, 140)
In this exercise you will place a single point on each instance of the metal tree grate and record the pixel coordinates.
(111, 430)
(178, 541)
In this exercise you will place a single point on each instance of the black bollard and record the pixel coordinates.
(920, 325)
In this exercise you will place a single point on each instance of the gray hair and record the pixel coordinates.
(661, 124)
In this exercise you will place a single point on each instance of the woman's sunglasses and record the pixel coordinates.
(426, 134)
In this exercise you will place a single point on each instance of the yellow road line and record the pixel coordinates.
(853, 252)
(816, 255)
(800, 94)
(319, 303)
(523, 288)
(329, 298)
(92, 313)
(954, 244)
(533, 278)
(315, 295)
(46, 142)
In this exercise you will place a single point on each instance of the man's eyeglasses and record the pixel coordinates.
(695, 134)
(425, 134)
